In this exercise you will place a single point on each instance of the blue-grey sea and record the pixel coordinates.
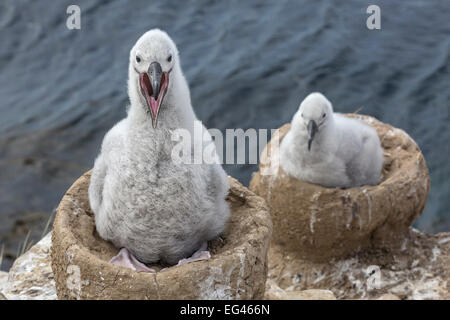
(249, 64)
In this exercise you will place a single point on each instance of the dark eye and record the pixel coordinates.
(138, 59)
(324, 115)
(169, 59)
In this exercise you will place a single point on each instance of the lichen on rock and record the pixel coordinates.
(31, 276)
(418, 270)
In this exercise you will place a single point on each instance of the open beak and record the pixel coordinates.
(154, 85)
(312, 129)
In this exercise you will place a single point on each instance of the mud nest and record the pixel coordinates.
(236, 270)
(317, 223)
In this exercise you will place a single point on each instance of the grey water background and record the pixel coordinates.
(249, 64)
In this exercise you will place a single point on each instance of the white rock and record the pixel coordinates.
(3, 282)
(274, 292)
(31, 276)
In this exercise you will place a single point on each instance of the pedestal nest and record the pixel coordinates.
(317, 223)
(236, 270)
(355, 242)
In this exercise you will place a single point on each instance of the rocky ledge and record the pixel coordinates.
(420, 269)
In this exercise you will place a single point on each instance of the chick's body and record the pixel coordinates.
(157, 208)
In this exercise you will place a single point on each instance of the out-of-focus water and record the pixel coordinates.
(248, 63)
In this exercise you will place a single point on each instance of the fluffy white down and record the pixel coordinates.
(142, 200)
(344, 153)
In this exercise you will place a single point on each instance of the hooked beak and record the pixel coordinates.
(312, 129)
(154, 85)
